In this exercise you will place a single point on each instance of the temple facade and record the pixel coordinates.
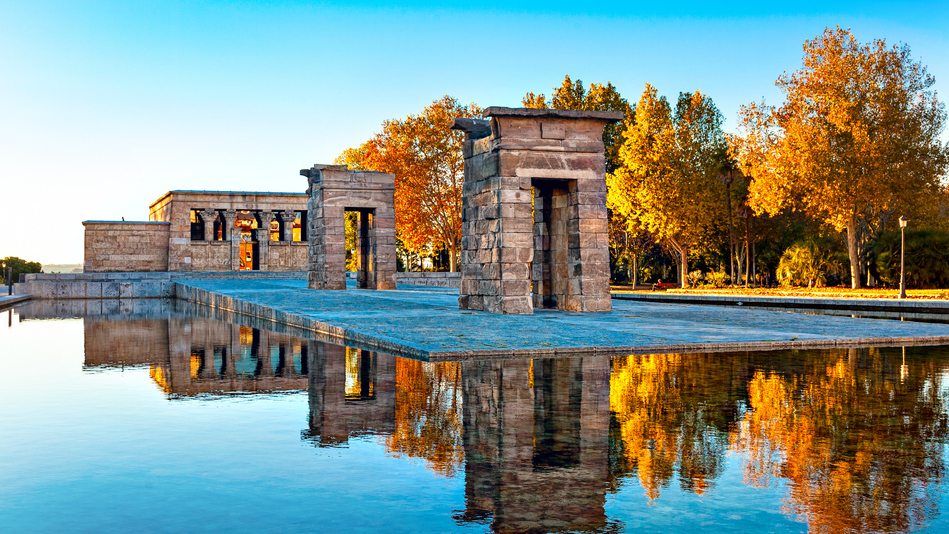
(204, 231)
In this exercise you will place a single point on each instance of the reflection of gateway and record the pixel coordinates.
(542, 456)
(351, 391)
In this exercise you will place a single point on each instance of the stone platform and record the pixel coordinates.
(425, 323)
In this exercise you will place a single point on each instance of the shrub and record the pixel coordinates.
(810, 265)
(694, 278)
(716, 279)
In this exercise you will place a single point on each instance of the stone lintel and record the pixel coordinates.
(341, 177)
(607, 116)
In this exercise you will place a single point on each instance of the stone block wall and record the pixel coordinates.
(287, 256)
(554, 253)
(114, 246)
(126, 285)
(334, 190)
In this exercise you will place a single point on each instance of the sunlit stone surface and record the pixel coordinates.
(425, 323)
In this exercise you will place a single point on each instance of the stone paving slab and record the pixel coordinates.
(426, 323)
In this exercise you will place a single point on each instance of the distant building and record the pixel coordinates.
(204, 231)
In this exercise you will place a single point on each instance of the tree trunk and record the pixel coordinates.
(635, 275)
(683, 264)
(452, 259)
(736, 279)
(731, 234)
(854, 253)
(747, 251)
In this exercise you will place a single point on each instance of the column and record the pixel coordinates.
(366, 275)
(263, 239)
(208, 216)
(288, 216)
(233, 236)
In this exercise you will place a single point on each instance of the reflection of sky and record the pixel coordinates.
(143, 97)
(730, 500)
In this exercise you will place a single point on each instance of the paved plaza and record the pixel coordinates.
(426, 323)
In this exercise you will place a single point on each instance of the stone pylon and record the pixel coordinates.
(334, 190)
(534, 220)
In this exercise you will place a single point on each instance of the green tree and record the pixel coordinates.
(18, 266)
(855, 144)
(927, 258)
(809, 265)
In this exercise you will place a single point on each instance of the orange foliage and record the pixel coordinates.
(425, 155)
(428, 414)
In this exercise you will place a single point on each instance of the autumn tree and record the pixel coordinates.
(668, 181)
(855, 143)
(425, 155)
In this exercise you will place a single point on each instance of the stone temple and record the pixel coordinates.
(334, 190)
(204, 231)
(534, 220)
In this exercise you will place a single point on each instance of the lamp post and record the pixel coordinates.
(903, 221)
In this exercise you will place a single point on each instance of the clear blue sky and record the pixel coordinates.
(104, 105)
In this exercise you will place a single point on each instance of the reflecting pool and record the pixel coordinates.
(117, 415)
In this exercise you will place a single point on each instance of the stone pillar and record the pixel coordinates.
(233, 236)
(366, 276)
(287, 216)
(263, 239)
(208, 216)
(555, 157)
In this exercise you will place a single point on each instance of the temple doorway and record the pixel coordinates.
(365, 246)
(249, 248)
(555, 226)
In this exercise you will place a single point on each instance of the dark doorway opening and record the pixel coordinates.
(553, 228)
(365, 247)
(557, 397)
(249, 249)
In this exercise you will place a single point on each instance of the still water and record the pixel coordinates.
(146, 416)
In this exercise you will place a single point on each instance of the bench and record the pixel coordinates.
(664, 285)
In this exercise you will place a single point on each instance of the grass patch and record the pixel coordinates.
(825, 292)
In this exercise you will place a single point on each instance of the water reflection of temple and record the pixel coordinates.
(190, 356)
(351, 392)
(536, 437)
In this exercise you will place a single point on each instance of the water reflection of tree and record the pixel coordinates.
(858, 441)
(428, 414)
(671, 415)
(857, 438)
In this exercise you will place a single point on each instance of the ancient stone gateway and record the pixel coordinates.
(334, 190)
(534, 221)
